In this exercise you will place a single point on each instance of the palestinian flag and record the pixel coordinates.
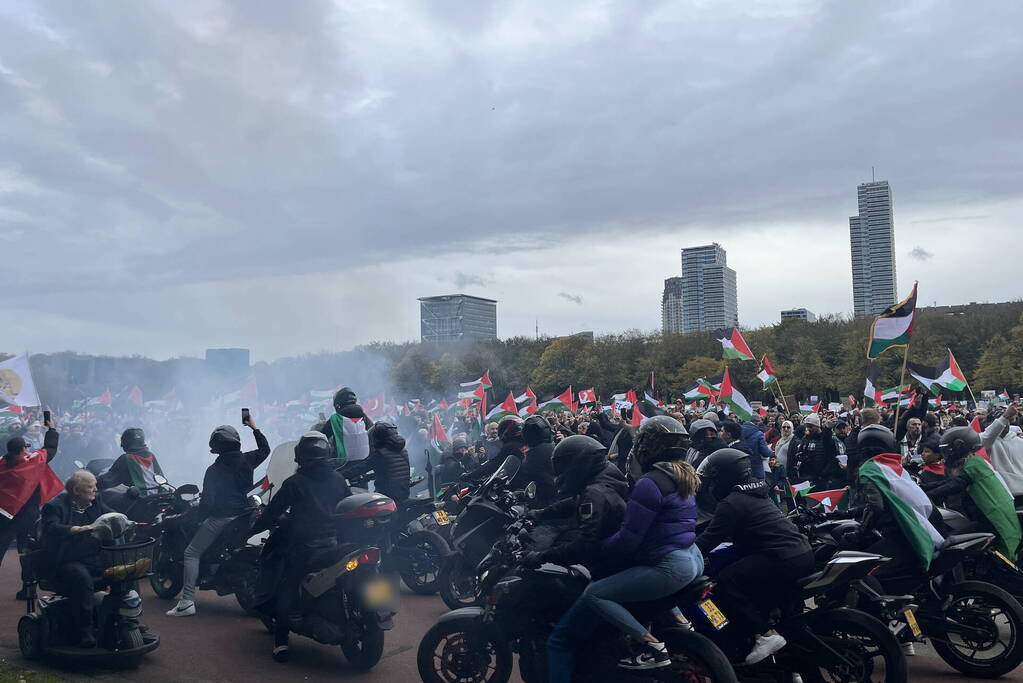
(871, 394)
(505, 409)
(529, 398)
(694, 392)
(351, 438)
(893, 327)
(992, 496)
(831, 500)
(767, 374)
(944, 376)
(484, 380)
(1005, 396)
(439, 442)
(733, 346)
(807, 409)
(563, 402)
(526, 396)
(638, 418)
(907, 502)
(889, 395)
(711, 386)
(588, 396)
(731, 395)
(104, 399)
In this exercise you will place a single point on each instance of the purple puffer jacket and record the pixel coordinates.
(657, 522)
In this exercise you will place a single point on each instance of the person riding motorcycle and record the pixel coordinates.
(537, 467)
(308, 497)
(348, 427)
(705, 440)
(771, 553)
(71, 552)
(509, 431)
(137, 466)
(981, 492)
(225, 491)
(653, 549)
(388, 460)
(454, 463)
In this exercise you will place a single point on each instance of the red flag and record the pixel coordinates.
(630, 396)
(509, 405)
(975, 424)
(135, 396)
(485, 380)
(437, 434)
(443, 405)
(763, 411)
(23, 479)
(588, 396)
(374, 407)
(817, 407)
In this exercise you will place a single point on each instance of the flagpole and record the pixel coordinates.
(781, 392)
(968, 387)
(902, 381)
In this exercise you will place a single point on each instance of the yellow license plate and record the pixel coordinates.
(379, 593)
(911, 620)
(716, 618)
(441, 517)
(1005, 559)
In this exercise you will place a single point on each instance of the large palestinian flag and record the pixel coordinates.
(694, 392)
(992, 496)
(503, 410)
(733, 346)
(734, 398)
(944, 376)
(711, 386)
(563, 402)
(893, 327)
(767, 374)
(907, 502)
(892, 394)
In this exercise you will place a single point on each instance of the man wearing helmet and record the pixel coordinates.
(137, 466)
(537, 468)
(348, 428)
(705, 440)
(772, 553)
(308, 497)
(388, 460)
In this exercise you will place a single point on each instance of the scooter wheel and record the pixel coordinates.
(31, 636)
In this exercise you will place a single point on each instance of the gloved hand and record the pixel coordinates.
(531, 559)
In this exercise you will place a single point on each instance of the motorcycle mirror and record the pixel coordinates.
(79, 464)
(161, 480)
(188, 490)
(531, 490)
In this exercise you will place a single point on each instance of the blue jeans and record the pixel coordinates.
(602, 600)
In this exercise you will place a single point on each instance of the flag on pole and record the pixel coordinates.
(829, 499)
(104, 399)
(562, 402)
(16, 384)
(374, 406)
(484, 380)
(767, 374)
(944, 376)
(871, 394)
(893, 327)
(588, 396)
(503, 410)
(438, 437)
(711, 386)
(734, 398)
(892, 394)
(733, 346)
(525, 396)
(694, 392)
(1005, 395)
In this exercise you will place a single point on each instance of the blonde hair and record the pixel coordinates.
(686, 479)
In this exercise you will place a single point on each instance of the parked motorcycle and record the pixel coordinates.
(48, 629)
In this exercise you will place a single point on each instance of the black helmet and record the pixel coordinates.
(385, 435)
(225, 439)
(133, 440)
(345, 396)
(875, 440)
(958, 443)
(576, 461)
(312, 448)
(724, 469)
(660, 438)
(510, 427)
(536, 430)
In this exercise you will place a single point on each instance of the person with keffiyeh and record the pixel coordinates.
(137, 466)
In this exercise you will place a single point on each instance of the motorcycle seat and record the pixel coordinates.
(807, 580)
(965, 541)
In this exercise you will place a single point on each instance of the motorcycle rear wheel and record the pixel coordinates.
(875, 652)
(426, 551)
(460, 651)
(245, 590)
(167, 577)
(696, 657)
(364, 652)
(977, 603)
(457, 583)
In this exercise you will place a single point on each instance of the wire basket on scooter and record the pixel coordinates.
(127, 562)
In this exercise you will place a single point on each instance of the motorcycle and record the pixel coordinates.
(230, 565)
(346, 598)
(48, 628)
(523, 605)
(991, 566)
(484, 515)
(825, 642)
(416, 551)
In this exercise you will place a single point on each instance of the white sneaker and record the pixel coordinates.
(764, 648)
(908, 649)
(184, 608)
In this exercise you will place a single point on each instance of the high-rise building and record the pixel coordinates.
(799, 314)
(671, 305)
(709, 300)
(872, 237)
(457, 317)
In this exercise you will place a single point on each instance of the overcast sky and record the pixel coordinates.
(290, 176)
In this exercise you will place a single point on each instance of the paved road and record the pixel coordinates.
(222, 644)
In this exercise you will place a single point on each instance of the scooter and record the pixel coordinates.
(48, 627)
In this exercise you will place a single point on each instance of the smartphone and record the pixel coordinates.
(46, 417)
(245, 416)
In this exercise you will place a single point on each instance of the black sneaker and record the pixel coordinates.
(280, 653)
(646, 656)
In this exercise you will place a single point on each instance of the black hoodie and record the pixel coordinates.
(753, 523)
(229, 479)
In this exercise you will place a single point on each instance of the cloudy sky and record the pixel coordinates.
(291, 176)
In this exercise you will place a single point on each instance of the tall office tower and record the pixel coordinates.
(457, 317)
(872, 236)
(709, 300)
(671, 305)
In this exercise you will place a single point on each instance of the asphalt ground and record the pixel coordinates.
(220, 643)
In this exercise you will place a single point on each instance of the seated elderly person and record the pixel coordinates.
(70, 552)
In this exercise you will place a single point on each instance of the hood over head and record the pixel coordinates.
(225, 439)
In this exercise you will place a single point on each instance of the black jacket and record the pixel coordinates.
(594, 515)
(753, 523)
(516, 447)
(390, 465)
(451, 470)
(815, 457)
(59, 544)
(311, 494)
(537, 468)
(228, 480)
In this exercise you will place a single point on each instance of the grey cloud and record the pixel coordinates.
(575, 299)
(463, 280)
(920, 254)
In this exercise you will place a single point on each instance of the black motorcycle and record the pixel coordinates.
(522, 606)
(48, 629)
(229, 565)
(485, 514)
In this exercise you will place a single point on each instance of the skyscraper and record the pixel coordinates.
(457, 317)
(671, 305)
(872, 238)
(709, 300)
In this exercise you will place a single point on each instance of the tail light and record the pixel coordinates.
(706, 591)
(370, 556)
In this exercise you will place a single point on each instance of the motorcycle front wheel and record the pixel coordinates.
(695, 657)
(989, 643)
(167, 577)
(463, 651)
(365, 650)
(424, 556)
(457, 583)
(869, 652)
